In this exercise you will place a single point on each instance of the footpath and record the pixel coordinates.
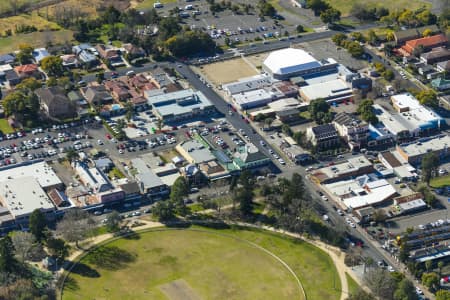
(335, 253)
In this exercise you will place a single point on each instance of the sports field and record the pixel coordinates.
(228, 71)
(208, 264)
(346, 5)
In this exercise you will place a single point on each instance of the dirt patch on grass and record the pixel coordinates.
(228, 71)
(179, 290)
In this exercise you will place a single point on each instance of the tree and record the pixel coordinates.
(23, 244)
(57, 248)
(52, 65)
(268, 122)
(75, 226)
(286, 129)
(113, 222)
(163, 210)
(330, 16)
(317, 6)
(7, 261)
(25, 54)
(430, 164)
(381, 283)
(178, 192)
(300, 28)
(379, 216)
(428, 265)
(72, 155)
(317, 109)
(266, 9)
(388, 75)
(339, 38)
(428, 97)
(430, 280)
(361, 294)
(427, 32)
(372, 37)
(129, 111)
(29, 84)
(365, 110)
(443, 295)
(38, 224)
(440, 266)
(405, 291)
(355, 49)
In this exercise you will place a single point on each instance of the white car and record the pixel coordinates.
(100, 142)
(390, 269)
(281, 161)
(419, 290)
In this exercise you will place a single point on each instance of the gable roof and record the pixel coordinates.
(413, 33)
(94, 93)
(444, 65)
(52, 94)
(436, 53)
(26, 68)
(428, 41)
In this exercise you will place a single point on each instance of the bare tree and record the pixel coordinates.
(75, 226)
(23, 244)
(381, 283)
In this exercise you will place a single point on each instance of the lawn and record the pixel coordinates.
(202, 265)
(441, 181)
(5, 127)
(35, 39)
(346, 5)
(146, 4)
(27, 19)
(115, 173)
(352, 285)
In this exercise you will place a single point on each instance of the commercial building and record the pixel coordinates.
(323, 136)
(354, 166)
(248, 84)
(361, 192)
(443, 66)
(414, 152)
(149, 183)
(379, 136)
(40, 170)
(256, 98)
(441, 84)
(295, 153)
(290, 62)
(194, 152)
(249, 157)
(180, 105)
(409, 203)
(332, 91)
(353, 130)
(394, 162)
(21, 196)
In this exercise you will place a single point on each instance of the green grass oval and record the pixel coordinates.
(207, 264)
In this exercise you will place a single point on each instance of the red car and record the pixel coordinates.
(108, 136)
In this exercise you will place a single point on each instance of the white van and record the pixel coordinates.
(158, 5)
(189, 7)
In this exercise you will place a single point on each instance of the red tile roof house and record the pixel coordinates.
(29, 70)
(110, 54)
(119, 90)
(427, 42)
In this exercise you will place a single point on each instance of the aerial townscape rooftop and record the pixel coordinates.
(234, 149)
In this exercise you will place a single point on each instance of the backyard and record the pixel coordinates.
(211, 264)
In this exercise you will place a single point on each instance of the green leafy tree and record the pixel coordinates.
(428, 97)
(339, 38)
(372, 37)
(129, 108)
(29, 84)
(330, 16)
(366, 112)
(317, 6)
(388, 75)
(164, 210)
(355, 49)
(430, 164)
(7, 261)
(113, 222)
(178, 192)
(318, 109)
(25, 54)
(443, 295)
(430, 280)
(405, 291)
(38, 224)
(52, 65)
(57, 248)
(72, 155)
(266, 9)
(300, 28)
(100, 76)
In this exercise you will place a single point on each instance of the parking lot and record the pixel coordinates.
(237, 27)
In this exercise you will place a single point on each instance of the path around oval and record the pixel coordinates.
(336, 255)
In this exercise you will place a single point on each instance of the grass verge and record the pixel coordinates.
(5, 127)
(441, 181)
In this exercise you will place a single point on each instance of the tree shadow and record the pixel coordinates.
(132, 236)
(71, 284)
(85, 270)
(110, 258)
